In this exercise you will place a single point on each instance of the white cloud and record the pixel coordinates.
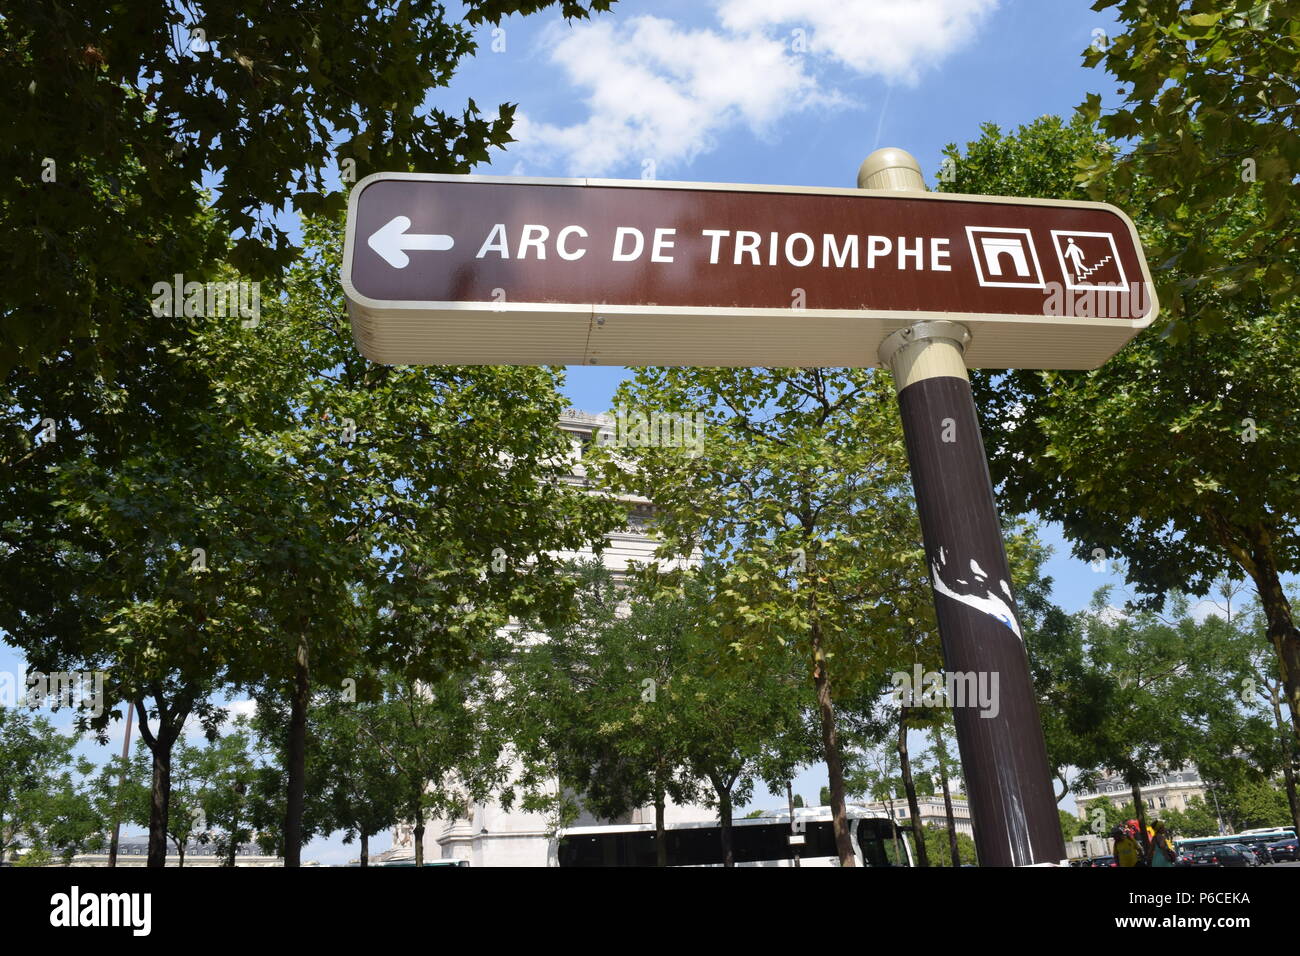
(658, 92)
(193, 727)
(892, 39)
(1206, 608)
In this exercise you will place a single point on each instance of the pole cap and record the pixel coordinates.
(954, 332)
(891, 168)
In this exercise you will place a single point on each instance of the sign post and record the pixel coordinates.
(491, 270)
(1004, 757)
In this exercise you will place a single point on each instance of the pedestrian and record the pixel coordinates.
(1127, 851)
(1162, 849)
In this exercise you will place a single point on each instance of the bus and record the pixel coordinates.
(1278, 833)
(434, 862)
(758, 841)
(1248, 837)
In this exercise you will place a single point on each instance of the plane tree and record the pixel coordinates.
(118, 112)
(1209, 98)
(1177, 458)
(799, 493)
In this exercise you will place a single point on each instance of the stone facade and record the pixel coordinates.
(1171, 790)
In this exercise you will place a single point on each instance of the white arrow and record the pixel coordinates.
(391, 240)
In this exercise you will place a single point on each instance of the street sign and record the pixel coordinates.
(482, 270)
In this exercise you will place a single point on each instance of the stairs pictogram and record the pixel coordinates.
(1087, 271)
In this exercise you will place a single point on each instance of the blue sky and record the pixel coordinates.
(769, 91)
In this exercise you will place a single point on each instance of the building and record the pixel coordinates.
(1171, 790)
(489, 835)
(133, 851)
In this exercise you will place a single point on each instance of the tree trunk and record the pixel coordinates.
(297, 756)
(160, 794)
(1282, 631)
(661, 832)
(831, 751)
(953, 847)
(1256, 557)
(1140, 807)
(1288, 765)
(160, 791)
(418, 835)
(724, 820)
(180, 854)
(909, 787)
(365, 849)
(233, 849)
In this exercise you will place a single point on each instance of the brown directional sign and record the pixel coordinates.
(496, 270)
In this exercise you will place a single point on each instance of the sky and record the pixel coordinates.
(788, 92)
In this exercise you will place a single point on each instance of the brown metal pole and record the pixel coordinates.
(1004, 758)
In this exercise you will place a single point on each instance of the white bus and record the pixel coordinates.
(760, 841)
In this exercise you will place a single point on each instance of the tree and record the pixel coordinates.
(42, 807)
(944, 765)
(185, 822)
(937, 842)
(1071, 826)
(797, 492)
(1221, 132)
(107, 571)
(737, 723)
(593, 708)
(225, 774)
(443, 753)
(1198, 820)
(122, 111)
(96, 385)
(1163, 682)
(1275, 749)
(363, 795)
(1177, 455)
(878, 776)
(1257, 803)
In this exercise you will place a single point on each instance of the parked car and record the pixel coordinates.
(1103, 861)
(1283, 850)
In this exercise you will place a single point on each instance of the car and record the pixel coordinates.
(1283, 850)
(1261, 852)
(1103, 861)
(1252, 859)
(1222, 855)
